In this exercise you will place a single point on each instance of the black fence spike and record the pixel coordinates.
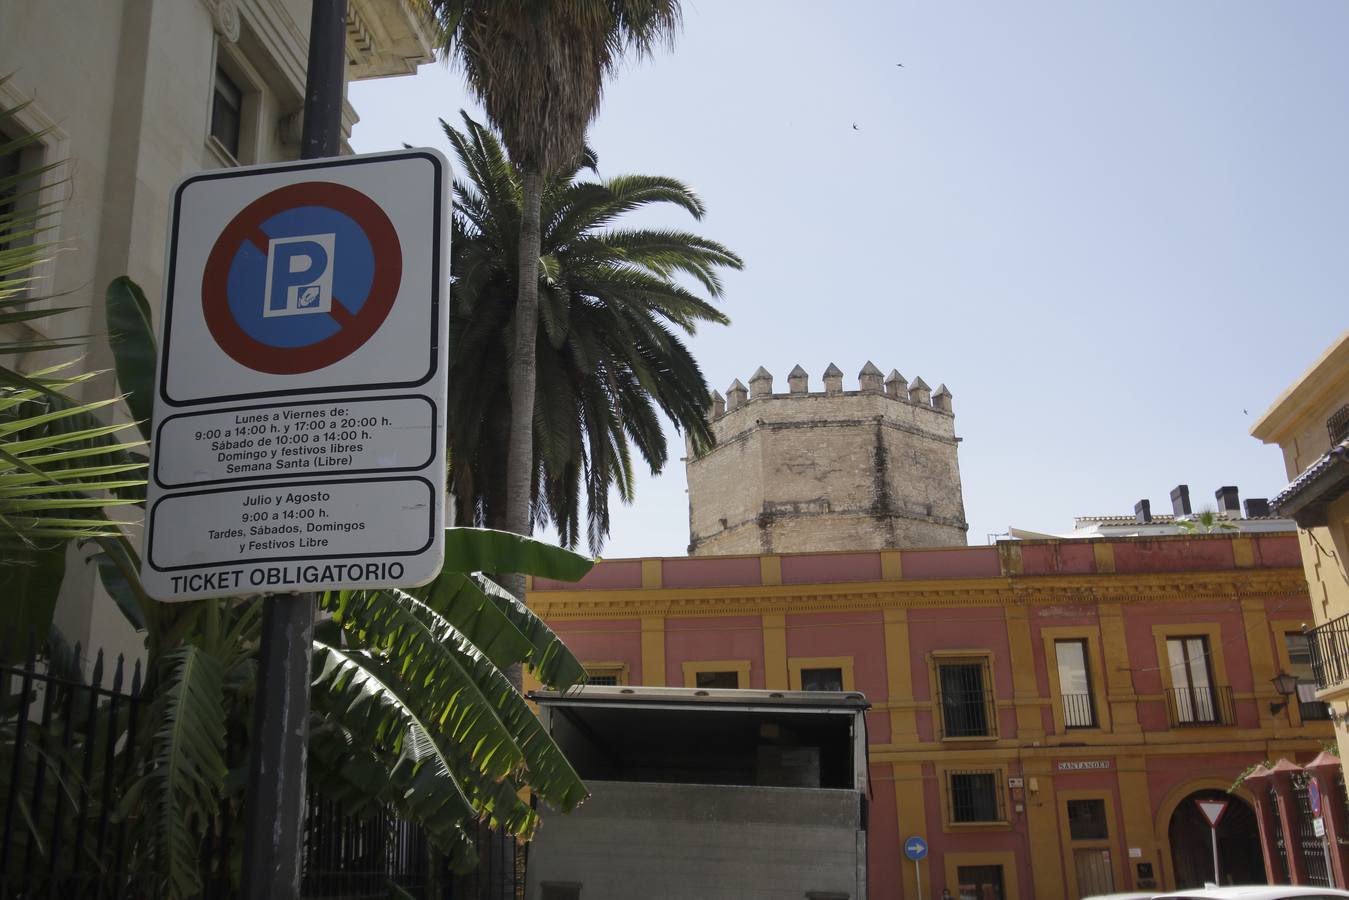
(97, 678)
(117, 674)
(136, 678)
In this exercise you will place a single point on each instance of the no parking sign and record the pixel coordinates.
(299, 411)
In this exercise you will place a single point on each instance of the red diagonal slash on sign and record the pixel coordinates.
(355, 327)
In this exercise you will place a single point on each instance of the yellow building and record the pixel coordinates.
(1310, 423)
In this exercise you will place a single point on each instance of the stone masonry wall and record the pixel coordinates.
(868, 469)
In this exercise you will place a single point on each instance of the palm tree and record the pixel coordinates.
(1206, 521)
(608, 350)
(538, 66)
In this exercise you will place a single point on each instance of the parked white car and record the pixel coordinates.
(1257, 892)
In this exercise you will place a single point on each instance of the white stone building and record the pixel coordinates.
(135, 94)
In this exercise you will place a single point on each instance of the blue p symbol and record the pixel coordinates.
(299, 275)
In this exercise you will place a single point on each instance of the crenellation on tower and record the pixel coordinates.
(919, 392)
(869, 379)
(760, 384)
(871, 468)
(736, 396)
(833, 380)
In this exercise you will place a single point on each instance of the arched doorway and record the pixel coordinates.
(1238, 843)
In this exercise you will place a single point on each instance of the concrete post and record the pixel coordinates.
(1281, 775)
(1265, 815)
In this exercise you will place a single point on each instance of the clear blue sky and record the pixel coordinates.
(1115, 230)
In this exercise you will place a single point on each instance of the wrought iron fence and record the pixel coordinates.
(1197, 706)
(1311, 846)
(1329, 645)
(67, 755)
(1079, 711)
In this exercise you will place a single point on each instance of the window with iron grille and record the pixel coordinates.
(1087, 821)
(606, 675)
(974, 796)
(1338, 425)
(966, 699)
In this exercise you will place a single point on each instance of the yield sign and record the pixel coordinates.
(1212, 809)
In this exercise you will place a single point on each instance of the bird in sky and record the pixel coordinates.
(900, 65)
(854, 127)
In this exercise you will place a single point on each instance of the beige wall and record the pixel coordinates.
(1297, 424)
(802, 472)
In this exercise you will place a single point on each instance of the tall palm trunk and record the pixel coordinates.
(520, 452)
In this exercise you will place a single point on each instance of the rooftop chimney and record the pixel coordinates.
(1257, 508)
(1143, 512)
(1228, 502)
(1180, 500)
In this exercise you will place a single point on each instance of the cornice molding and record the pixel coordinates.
(1171, 587)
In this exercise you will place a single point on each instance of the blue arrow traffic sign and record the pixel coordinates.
(915, 848)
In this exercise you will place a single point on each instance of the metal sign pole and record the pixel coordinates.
(277, 800)
(918, 880)
(1213, 830)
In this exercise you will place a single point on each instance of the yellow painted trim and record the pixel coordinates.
(1025, 687)
(797, 663)
(1105, 557)
(652, 574)
(899, 677)
(770, 569)
(1110, 842)
(653, 651)
(608, 668)
(1046, 853)
(911, 814)
(1243, 552)
(1168, 587)
(775, 652)
(892, 565)
(739, 666)
(1095, 676)
(1010, 875)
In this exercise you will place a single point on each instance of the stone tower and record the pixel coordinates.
(869, 469)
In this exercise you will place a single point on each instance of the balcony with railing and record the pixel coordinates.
(1199, 706)
(1079, 711)
(1329, 645)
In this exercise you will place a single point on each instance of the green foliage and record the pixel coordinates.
(411, 706)
(611, 305)
(1206, 521)
(58, 458)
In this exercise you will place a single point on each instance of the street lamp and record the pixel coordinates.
(1285, 686)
